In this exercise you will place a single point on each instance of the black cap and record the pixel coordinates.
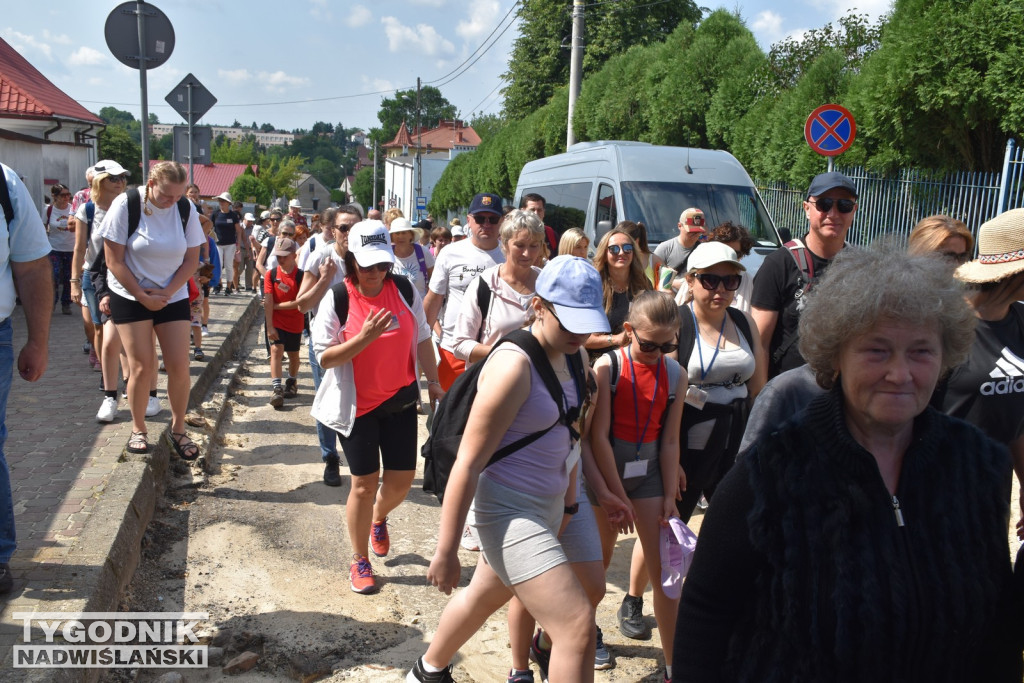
(824, 182)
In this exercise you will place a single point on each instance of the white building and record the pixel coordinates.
(271, 139)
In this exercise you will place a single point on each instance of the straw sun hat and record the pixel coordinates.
(1000, 250)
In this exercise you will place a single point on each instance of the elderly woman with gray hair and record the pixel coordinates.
(864, 539)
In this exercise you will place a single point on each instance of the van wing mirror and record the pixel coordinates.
(601, 229)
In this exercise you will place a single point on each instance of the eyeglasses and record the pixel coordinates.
(710, 281)
(615, 249)
(825, 204)
(649, 346)
(486, 218)
(379, 267)
(956, 257)
(560, 325)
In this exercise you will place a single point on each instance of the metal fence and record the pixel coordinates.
(893, 205)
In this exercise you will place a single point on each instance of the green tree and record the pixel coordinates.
(487, 125)
(362, 187)
(402, 107)
(227, 151)
(124, 120)
(249, 188)
(115, 143)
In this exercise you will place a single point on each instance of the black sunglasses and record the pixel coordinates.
(482, 218)
(825, 204)
(274, 220)
(648, 346)
(379, 267)
(614, 249)
(342, 228)
(287, 234)
(956, 257)
(710, 281)
(560, 325)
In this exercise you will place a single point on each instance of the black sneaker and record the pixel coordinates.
(419, 675)
(277, 400)
(540, 655)
(6, 580)
(291, 388)
(332, 473)
(631, 619)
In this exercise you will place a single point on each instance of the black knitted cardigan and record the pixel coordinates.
(845, 593)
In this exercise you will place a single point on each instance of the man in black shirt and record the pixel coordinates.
(786, 275)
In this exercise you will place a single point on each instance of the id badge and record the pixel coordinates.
(574, 456)
(394, 324)
(696, 397)
(635, 468)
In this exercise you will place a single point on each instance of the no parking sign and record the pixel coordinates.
(830, 130)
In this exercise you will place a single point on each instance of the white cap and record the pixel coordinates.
(458, 231)
(708, 254)
(370, 242)
(109, 167)
(249, 217)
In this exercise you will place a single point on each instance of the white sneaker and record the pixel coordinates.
(153, 406)
(108, 410)
(206, 330)
(469, 541)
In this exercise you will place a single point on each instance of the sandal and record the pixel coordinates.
(138, 442)
(187, 450)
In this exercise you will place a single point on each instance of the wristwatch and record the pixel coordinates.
(572, 509)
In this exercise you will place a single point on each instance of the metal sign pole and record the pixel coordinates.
(140, 5)
(191, 145)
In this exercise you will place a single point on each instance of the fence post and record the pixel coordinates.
(1004, 181)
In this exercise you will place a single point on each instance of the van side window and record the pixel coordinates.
(565, 204)
(606, 209)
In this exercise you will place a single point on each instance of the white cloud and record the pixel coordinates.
(423, 39)
(768, 23)
(840, 8)
(359, 16)
(429, 3)
(481, 19)
(86, 56)
(58, 38)
(279, 81)
(23, 42)
(234, 76)
(319, 10)
(379, 84)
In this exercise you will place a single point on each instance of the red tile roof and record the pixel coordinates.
(447, 135)
(24, 91)
(215, 178)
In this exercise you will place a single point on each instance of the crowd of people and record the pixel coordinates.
(849, 418)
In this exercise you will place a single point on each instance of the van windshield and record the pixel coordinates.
(658, 206)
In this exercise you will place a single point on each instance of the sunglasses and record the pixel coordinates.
(956, 257)
(379, 267)
(560, 325)
(486, 218)
(825, 204)
(615, 249)
(116, 178)
(710, 281)
(649, 346)
(287, 234)
(343, 229)
(274, 220)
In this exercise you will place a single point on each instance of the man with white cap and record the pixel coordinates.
(295, 213)
(227, 225)
(789, 273)
(455, 267)
(673, 253)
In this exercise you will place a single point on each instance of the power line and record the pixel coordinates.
(485, 98)
(502, 21)
(478, 56)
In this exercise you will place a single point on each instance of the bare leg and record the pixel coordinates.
(608, 535)
(276, 358)
(665, 608)
(293, 363)
(174, 344)
(638, 578)
(110, 352)
(393, 490)
(137, 338)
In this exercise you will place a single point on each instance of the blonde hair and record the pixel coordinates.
(655, 308)
(165, 172)
(571, 239)
(391, 214)
(929, 234)
(638, 282)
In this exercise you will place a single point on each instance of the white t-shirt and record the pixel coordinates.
(455, 268)
(156, 249)
(317, 259)
(61, 239)
(22, 241)
(95, 241)
(409, 267)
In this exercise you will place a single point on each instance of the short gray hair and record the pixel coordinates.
(863, 287)
(519, 220)
(285, 222)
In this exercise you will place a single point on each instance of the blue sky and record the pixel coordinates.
(268, 60)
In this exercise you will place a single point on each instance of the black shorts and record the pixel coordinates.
(387, 433)
(291, 341)
(206, 290)
(124, 311)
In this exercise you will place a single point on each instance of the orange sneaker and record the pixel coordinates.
(361, 575)
(380, 542)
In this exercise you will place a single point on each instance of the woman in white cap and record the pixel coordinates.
(369, 390)
(227, 223)
(411, 259)
(988, 389)
(521, 501)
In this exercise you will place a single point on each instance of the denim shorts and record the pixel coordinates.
(89, 294)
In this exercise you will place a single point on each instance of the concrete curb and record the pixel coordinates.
(104, 559)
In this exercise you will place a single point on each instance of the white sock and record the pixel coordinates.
(668, 671)
(431, 669)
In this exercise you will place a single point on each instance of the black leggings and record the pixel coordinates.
(705, 468)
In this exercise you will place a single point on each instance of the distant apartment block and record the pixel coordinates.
(267, 139)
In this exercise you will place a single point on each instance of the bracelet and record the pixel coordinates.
(611, 340)
(74, 280)
(433, 381)
(572, 509)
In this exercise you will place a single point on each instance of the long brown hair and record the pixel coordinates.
(638, 282)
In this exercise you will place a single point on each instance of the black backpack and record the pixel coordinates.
(5, 201)
(688, 334)
(99, 264)
(449, 423)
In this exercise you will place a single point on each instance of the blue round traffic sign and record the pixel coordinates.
(830, 130)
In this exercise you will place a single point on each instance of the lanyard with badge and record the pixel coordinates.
(696, 396)
(638, 467)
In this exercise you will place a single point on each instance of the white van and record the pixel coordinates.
(595, 185)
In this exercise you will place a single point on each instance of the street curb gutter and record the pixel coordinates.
(107, 553)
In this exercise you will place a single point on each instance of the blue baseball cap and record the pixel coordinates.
(573, 288)
(485, 203)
